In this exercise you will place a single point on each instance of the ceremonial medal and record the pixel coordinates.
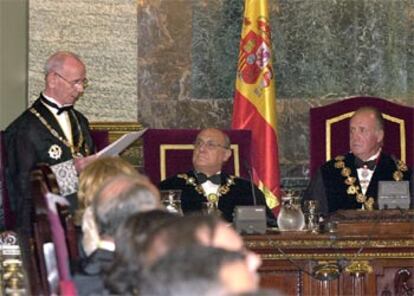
(213, 198)
(55, 152)
(352, 189)
(74, 148)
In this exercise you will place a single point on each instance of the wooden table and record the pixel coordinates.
(369, 254)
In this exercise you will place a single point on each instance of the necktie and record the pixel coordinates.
(215, 179)
(370, 164)
(60, 109)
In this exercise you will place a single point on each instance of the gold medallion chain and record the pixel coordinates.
(75, 150)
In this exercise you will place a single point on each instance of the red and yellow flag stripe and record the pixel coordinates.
(255, 98)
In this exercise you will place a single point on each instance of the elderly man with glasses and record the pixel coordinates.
(50, 131)
(206, 186)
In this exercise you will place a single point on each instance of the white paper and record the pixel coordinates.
(121, 144)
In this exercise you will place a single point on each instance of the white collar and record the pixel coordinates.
(375, 156)
(53, 100)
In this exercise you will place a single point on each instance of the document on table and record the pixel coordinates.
(121, 144)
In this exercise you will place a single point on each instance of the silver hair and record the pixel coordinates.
(56, 60)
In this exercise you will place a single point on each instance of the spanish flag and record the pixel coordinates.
(255, 98)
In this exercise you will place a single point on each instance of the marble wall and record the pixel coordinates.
(171, 63)
(104, 34)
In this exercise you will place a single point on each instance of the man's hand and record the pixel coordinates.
(82, 162)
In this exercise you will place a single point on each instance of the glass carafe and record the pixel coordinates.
(291, 217)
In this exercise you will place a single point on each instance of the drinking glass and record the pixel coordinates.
(171, 200)
(311, 209)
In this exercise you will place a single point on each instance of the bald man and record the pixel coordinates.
(350, 181)
(207, 183)
(51, 132)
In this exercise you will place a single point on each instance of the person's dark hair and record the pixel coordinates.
(143, 239)
(112, 207)
(191, 270)
(181, 233)
(131, 242)
(377, 114)
(184, 231)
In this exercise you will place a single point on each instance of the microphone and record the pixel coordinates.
(249, 172)
(250, 219)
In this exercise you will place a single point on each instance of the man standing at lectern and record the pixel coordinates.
(52, 132)
(207, 183)
(350, 181)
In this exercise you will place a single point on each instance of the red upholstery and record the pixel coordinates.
(9, 217)
(329, 131)
(100, 138)
(169, 151)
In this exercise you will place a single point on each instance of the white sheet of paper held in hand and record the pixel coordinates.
(121, 144)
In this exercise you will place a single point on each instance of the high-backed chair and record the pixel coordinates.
(100, 138)
(169, 151)
(329, 129)
(50, 239)
(65, 216)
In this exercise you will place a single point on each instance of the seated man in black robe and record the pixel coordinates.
(206, 183)
(350, 181)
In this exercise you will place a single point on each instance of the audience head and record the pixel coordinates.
(65, 77)
(146, 237)
(366, 132)
(118, 199)
(199, 270)
(91, 180)
(96, 173)
(204, 230)
(132, 239)
(211, 151)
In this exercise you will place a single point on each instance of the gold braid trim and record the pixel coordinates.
(368, 202)
(214, 198)
(74, 149)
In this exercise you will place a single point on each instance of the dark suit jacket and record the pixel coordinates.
(28, 142)
(240, 194)
(330, 189)
(89, 279)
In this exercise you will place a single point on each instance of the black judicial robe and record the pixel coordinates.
(28, 142)
(239, 194)
(329, 187)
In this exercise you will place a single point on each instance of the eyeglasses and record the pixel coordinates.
(79, 82)
(210, 145)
